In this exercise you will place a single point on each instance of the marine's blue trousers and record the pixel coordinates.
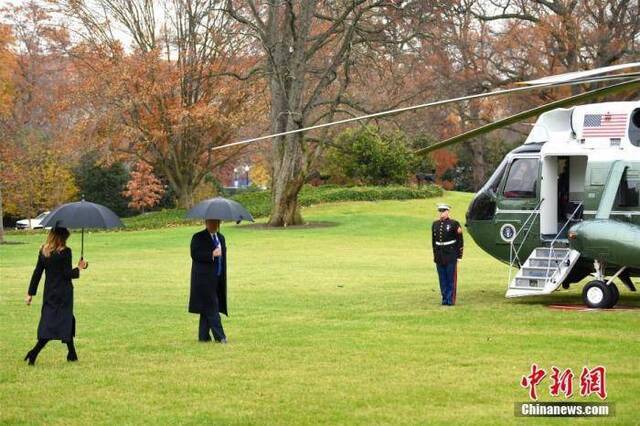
(448, 282)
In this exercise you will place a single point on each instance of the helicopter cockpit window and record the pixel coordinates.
(483, 206)
(522, 178)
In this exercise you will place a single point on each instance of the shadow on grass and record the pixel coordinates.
(627, 301)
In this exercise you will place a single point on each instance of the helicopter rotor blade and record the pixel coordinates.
(577, 75)
(530, 113)
(434, 104)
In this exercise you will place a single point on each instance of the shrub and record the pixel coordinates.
(259, 203)
(364, 155)
(103, 184)
(158, 219)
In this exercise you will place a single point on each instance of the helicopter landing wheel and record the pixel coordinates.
(598, 295)
(615, 295)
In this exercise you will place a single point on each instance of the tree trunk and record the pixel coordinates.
(287, 41)
(183, 188)
(284, 201)
(288, 158)
(1, 223)
(185, 197)
(287, 181)
(287, 177)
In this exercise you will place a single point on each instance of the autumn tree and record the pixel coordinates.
(144, 189)
(500, 42)
(463, 50)
(7, 60)
(161, 100)
(309, 51)
(37, 179)
(41, 75)
(35, 171)
(566, 35)
(483, 45)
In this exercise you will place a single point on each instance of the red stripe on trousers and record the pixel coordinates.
(455, 283)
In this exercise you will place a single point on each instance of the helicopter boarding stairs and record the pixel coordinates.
(547, 266)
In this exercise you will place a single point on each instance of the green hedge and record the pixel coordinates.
(158, 219)
(259, 203)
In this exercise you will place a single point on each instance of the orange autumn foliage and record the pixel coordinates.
(144, 189)
(8, 61)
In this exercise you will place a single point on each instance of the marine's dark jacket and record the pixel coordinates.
(447, 241)
(205, 283)
(56, 321)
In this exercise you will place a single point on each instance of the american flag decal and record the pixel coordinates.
(604, 125)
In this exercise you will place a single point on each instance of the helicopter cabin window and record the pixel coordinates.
(634, 127)
(628, 191)
(522, 179)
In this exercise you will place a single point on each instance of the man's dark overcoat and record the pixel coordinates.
(205, 282)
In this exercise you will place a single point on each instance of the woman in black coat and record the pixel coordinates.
(56, 321)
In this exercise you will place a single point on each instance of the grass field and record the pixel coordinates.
(332, 324)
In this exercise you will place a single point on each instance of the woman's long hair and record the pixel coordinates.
(56, 241)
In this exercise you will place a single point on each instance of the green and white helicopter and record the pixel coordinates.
(566, 203)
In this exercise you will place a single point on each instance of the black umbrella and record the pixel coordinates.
(221, 209)
(82, 214)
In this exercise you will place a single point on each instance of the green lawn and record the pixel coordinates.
(335, 324)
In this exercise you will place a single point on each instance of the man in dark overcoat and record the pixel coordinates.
(208, 296)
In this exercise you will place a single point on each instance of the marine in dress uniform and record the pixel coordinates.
(447, 243)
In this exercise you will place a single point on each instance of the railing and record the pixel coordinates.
(553, 242)
(526, 226)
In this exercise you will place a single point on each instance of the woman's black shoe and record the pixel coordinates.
(31, 357)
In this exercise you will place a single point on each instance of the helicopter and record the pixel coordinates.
(566, 203)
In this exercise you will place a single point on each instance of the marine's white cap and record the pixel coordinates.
(444, 207)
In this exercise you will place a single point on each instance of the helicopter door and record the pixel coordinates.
(562, 190)
(549, 194)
